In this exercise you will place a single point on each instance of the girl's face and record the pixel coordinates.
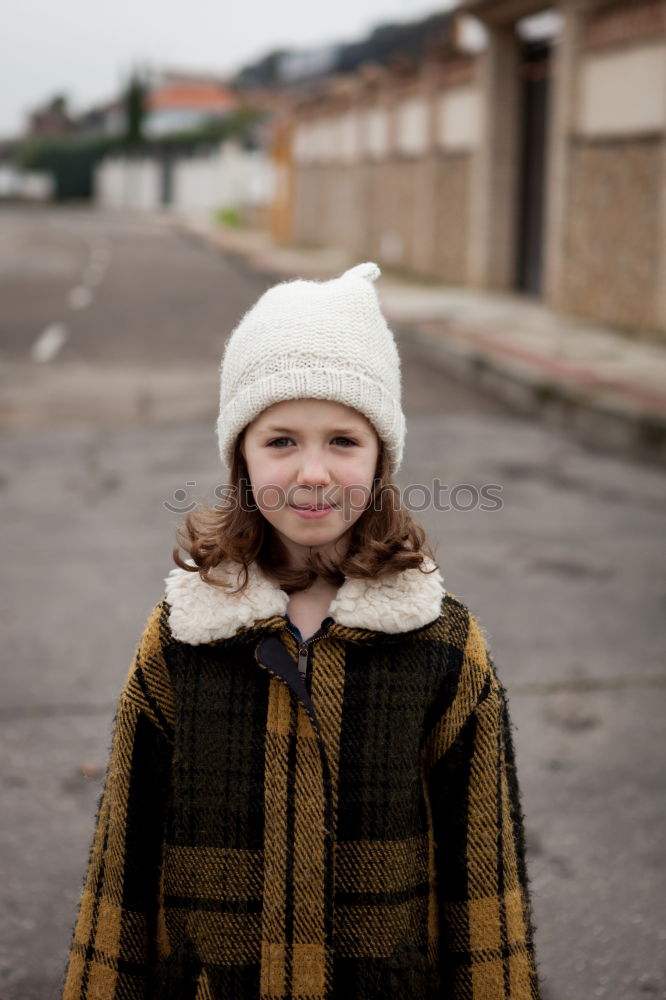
(311, 453)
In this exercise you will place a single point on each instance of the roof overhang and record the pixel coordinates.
(503, 12)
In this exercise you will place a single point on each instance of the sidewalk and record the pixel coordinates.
(605, 387)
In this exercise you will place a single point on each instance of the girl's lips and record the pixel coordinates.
(311, 512)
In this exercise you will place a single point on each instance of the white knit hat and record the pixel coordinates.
(314, 339)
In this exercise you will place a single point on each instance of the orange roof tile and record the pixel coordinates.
(192, 95)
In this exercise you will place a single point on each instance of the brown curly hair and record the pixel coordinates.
(384, 539)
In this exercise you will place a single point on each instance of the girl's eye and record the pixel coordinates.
(276, 441)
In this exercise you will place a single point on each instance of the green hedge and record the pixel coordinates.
(71, 160)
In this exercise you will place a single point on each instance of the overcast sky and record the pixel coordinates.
(85, 49)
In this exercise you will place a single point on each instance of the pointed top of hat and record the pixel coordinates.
(368, 270)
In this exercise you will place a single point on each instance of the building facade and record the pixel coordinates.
(529, 156)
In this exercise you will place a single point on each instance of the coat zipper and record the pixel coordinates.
(304, 651)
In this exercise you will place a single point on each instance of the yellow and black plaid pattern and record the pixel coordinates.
(115, 931)
(361, 838)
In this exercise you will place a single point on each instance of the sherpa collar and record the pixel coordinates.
(200, 613)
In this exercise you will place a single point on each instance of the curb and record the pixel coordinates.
(600, 421)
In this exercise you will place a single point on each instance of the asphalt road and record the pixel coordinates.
(117, 419)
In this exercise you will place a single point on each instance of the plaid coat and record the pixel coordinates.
(355, 833)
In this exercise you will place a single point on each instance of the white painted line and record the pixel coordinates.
(93, 274)
(100, 253)
(79, 297)
(49, 343)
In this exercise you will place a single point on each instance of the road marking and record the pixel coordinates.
(93, 274)
(49, 343)
(79, 297)
(100, 253)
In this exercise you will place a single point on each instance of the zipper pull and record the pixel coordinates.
(303, 660)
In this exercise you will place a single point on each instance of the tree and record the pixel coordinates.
(135, 110)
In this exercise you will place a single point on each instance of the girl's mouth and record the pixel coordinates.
(311, 512)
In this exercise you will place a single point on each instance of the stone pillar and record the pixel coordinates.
(496, 165)
(562, 126)
(425, 195)
(660, 277)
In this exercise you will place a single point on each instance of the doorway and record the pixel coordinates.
(535, 84)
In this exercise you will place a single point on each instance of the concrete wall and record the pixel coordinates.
(614, 235)
(613, 231)
(406, 214)
(227, 177)
(420, 170)
(127, 183)
(386, 174)
(31, 185)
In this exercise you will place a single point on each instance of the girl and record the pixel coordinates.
(311, 791)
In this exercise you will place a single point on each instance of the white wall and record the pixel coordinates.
(348, 131)
(327, 146)
(344, 137)
(127, 183)
(30, 184)
(303, 142)
(412, 126)
(459, 119)
(365, 132)
(623, 92)
(376, 132)
(228, 177)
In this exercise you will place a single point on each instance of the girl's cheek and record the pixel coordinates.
(359, 478)
(269, 496)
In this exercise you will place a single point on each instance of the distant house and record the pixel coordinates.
(103, 119)
(51, 120)
(175, 102)
(178, 102)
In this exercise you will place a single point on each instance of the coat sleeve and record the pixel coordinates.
(482, 911)
(115, 935)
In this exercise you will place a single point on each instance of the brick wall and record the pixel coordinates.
(410, 213)
(625, 23)
(612, 232)
(452, 215)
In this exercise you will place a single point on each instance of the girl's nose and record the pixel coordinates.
(313, 470)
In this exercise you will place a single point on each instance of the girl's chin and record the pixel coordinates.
(305, 532)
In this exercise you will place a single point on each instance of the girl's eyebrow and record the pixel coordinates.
(335, 430)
